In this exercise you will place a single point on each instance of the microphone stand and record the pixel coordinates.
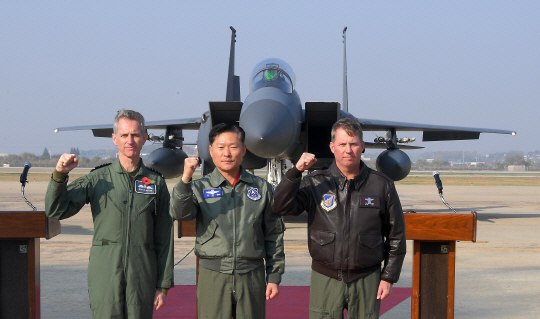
(440, 187)
(23, 183)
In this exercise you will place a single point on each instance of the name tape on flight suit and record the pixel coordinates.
(370, 202)
(211, 193)
(142, 188)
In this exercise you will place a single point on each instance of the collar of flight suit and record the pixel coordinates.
(358, 179)
(117, 167)
(217, 180)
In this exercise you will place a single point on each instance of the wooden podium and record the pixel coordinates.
(434, 260)
(20, 232)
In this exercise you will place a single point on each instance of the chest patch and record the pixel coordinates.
(328, 202)
(370, 201)
(142, 188)
(253, 193)
(211, 193)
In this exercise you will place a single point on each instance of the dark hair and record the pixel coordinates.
(226, 128)
(350, 126)
(131, 115)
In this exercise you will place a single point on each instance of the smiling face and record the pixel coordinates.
(347, 152)
(227, 152)
(129, 139)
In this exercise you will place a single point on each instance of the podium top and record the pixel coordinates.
(440, 226)
(27, 224)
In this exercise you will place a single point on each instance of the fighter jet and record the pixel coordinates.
(279, 129)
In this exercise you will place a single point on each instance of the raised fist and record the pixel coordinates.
(66, 163)
(306, 161)
(190, 165)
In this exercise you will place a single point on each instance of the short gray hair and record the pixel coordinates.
(349, 125)
(131, 115)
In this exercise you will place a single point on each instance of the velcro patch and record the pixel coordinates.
(142, 188)
(329, 202)
(370, 201)
(211, 193)
(253, 193)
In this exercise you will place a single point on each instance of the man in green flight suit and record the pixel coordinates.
(131, 259)
(237, 231)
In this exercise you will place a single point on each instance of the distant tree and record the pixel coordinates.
(74, 150)
(515, 160)
(46, 154)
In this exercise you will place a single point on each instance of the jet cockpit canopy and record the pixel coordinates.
(273, 73)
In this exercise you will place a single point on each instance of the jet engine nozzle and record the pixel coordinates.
(271, 129)
(168, 161)
(394, 163)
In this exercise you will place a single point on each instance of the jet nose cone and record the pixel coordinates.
(269, 127)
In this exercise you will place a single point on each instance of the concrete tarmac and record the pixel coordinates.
(496, 277)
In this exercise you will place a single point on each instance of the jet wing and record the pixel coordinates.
(430, 132)
(106, 130)
(382, 146)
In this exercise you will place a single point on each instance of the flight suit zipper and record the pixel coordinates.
(234, 227)
(130, 207)
(346, 233)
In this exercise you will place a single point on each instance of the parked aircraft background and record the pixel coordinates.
(459, 63)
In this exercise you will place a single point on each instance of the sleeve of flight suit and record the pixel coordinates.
(290, 197)
(183, 203)
(394, 232)
(273, 241)
(164, 239)
(63, 201)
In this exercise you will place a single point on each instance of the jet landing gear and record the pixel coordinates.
(275, 171)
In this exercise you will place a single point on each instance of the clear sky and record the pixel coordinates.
(466, 63)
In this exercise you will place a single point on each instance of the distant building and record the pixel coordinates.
(516, 168)
(478, 164)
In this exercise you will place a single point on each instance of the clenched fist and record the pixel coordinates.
(66, 163)
(306, 161)
(190, 165)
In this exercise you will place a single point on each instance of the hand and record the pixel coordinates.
(272, 290)
(385, 290)
(66, 163)
(306, 161)
(159, 300)
(190, 165)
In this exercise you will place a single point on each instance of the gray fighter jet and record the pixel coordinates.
(278, 128)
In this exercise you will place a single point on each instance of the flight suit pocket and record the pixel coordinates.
(209, 233)
(321, 245)
(258, 231)
(370, 250)
(148, 208)
(320, 313)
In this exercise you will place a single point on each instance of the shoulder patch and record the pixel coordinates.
(100, 166)
(155, 171)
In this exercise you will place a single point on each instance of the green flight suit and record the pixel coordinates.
(237, 230)
(132, 247)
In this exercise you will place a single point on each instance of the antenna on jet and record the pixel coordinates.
(345, 106)
(233, 81)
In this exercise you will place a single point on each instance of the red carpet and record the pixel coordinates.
(292, 303)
